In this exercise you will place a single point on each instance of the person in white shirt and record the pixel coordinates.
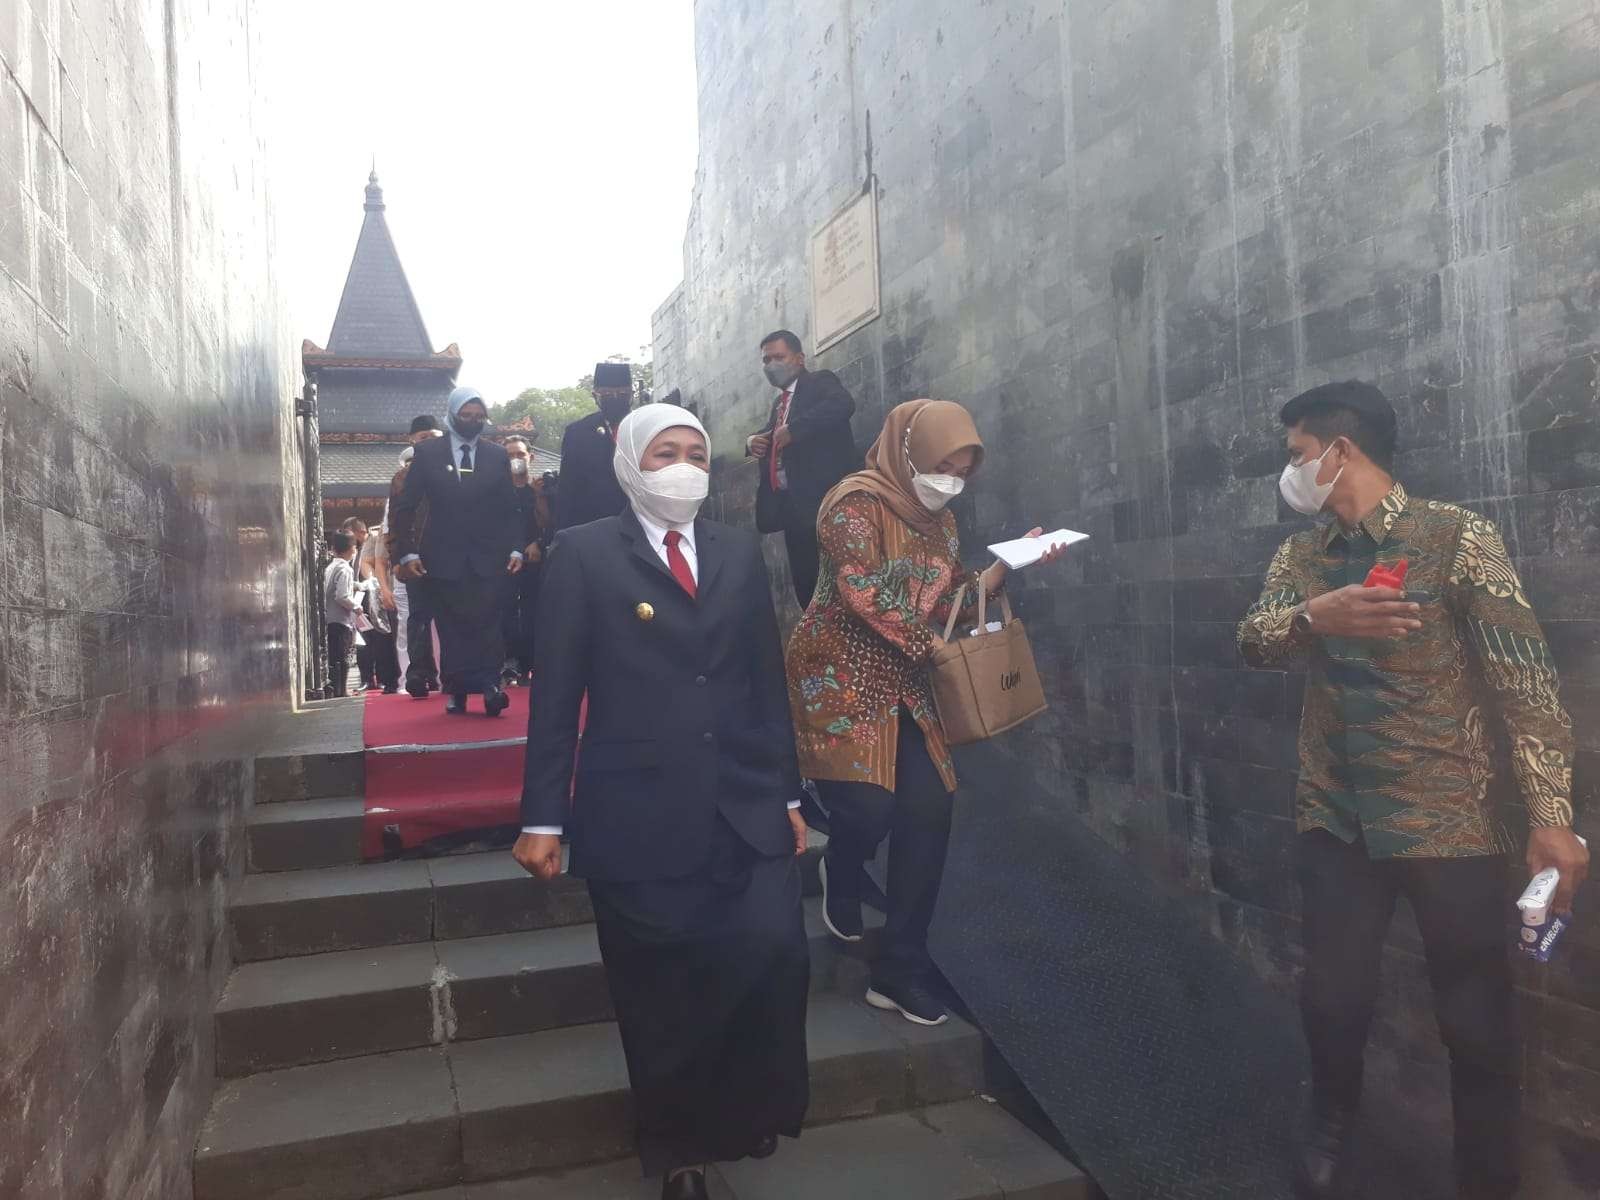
(341, 601)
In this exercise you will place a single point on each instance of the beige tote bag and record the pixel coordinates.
(986, 683)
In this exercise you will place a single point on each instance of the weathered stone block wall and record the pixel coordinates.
(146, 389)
(1125, 232)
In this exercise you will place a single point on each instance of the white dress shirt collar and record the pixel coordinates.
(657, 535)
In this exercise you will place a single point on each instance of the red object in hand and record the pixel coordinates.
(1388, 577)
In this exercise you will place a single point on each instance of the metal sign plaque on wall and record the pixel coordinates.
(844, 271)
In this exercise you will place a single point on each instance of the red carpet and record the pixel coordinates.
(419, 798)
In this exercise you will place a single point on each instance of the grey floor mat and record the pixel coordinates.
(1170, 1069)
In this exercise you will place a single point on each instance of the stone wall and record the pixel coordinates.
(1124, 232)
(149, 515)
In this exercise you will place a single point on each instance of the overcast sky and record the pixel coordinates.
(537, 159)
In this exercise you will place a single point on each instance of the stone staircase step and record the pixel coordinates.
(288, 913)
(318, 754)
(347, 908)
(415, 1119)
(296, 834)
(968, 1150)
(288, 1012)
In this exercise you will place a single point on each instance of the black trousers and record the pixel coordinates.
(916, 819)
(377, 662)
(709, 977)
(467, 612)
(340, 639)
(800, 544)
(1461, 909)
(522, 602)
(420, 667)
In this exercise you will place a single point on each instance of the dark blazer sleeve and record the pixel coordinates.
(403, 513)
(828, 404)
(567, 488)
(561, 665)
(772, 682)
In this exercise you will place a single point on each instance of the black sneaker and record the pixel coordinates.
(912, 1001)
(841, 914)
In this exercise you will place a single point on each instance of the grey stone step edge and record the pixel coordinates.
(965, 1150)
(324, 909)
(480, 1110)
(317, 1008)
(298, 835)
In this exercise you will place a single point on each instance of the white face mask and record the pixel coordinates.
(673, 495)
(519, 466)
(936, 491)
(1300, 489)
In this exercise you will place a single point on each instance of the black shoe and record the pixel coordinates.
(912, 1001)
(416, 689)
(1321, 1150)
(840, 913)
(691, 1185)
(495, 702)
(457, 705)
(391, 689)
(766, 1147)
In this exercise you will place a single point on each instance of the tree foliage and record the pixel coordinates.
(551, 409)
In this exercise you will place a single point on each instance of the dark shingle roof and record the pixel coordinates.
(379, 401)
(378, 315)
(359, 469)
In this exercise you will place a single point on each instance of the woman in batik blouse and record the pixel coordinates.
(858, 668)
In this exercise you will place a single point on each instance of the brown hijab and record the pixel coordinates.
(917, 435)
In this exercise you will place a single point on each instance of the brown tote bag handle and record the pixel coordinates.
(983, 611)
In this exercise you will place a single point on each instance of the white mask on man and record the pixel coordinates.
(1299, 487)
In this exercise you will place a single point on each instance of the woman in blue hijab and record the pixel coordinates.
(462, 552)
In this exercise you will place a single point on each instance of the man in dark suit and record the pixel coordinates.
(677, 819)
(414, 634)
(522, 597)
(589, 488)
(805, 448)
(471, 544)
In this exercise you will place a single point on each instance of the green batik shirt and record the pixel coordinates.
(1395, 739)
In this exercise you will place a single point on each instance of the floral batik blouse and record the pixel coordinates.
(858, 660)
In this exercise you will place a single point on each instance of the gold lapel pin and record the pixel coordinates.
(645, 612)
(600, 429)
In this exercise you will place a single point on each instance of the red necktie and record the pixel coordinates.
(678, 564)
(773, 455)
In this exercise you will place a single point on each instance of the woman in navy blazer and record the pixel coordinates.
(680, 817)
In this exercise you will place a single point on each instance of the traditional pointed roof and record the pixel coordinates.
(378, 316)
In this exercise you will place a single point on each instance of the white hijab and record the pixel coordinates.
(668, 497)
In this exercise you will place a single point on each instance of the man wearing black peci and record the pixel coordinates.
(589, 489)
(805, 448)
(472, 543)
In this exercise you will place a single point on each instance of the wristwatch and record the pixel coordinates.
(1301, 621)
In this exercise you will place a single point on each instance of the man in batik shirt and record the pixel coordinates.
(1407, 689)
